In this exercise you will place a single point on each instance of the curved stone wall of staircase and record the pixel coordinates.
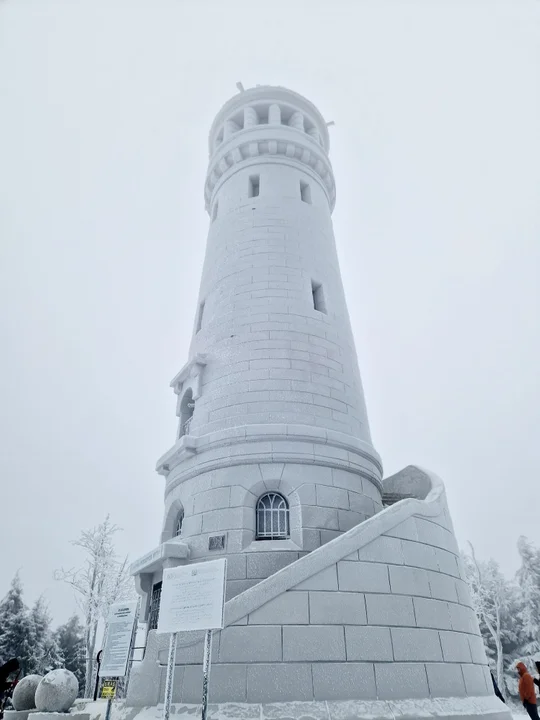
(381, 612)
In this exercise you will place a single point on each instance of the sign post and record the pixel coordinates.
(192, 598)
(206, 672)
(170, 676)
(108, 690)
(132, 648)
(116, 653)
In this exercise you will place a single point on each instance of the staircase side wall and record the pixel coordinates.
(391, 620)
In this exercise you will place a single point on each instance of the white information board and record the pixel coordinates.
(192, 597)
(118, 639)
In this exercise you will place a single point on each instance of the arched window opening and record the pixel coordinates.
(187, 407)
(178, 524)
(272, 517)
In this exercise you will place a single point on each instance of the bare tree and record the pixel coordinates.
(489, 594)
(104, 579)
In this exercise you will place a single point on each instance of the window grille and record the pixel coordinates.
(154, 606)
(272, 517)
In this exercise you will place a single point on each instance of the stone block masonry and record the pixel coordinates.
(352, 619)
(330, 597)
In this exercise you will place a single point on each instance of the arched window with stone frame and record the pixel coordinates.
(272, 517)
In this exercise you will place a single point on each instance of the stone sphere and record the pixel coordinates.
(57, 691)
(24, 695)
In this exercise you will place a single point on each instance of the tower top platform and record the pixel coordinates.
(260, 98)
(268, 124)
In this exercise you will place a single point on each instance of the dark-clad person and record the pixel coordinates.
(498, 693)
(6, 684)
(537, 680)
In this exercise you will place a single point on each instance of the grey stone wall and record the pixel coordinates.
(324, 502)
(274, 358)
(390, 619)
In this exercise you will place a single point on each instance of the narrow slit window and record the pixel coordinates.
(200, 316)
(317, 292)
(254, 186)
(215, 211)
(305, 192)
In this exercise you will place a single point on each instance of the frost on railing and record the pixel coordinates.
(187, 425)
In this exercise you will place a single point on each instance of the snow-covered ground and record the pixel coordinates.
(487, 707)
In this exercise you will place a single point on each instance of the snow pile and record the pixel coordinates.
(57, 691)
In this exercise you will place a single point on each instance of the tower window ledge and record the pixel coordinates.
(272, 546)
(186, 445)
(154, 560)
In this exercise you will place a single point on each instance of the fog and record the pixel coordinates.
(106, 106)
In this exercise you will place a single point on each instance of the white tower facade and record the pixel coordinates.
(330, 594)
(271, 398)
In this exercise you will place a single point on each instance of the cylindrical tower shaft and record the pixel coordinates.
(271, 408)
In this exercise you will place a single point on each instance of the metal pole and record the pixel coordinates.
(108, 711)
(170, 677)
(206, 672)
(132, 648)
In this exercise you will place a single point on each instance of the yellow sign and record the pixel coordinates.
(108, 689)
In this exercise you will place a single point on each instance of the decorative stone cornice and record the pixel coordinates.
(191, 368)
(242, 445)
(189, 376)
(270, 143)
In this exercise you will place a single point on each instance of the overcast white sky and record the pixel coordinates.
(106, 106)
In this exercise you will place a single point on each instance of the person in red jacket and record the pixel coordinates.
(527, 692)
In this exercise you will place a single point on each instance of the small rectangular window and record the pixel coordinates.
(254, 185)
(200, 316)
(319, 302)
(305, 192)
(215, 211)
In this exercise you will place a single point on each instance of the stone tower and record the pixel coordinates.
(330, 595)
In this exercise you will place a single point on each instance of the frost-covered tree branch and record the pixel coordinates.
(489, 594)
(104, 579)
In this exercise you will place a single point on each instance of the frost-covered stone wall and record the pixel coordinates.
(323, 503)
(357, 602)
(382, 612)
(271, 397)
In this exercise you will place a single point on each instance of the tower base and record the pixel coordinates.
(380, 615)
